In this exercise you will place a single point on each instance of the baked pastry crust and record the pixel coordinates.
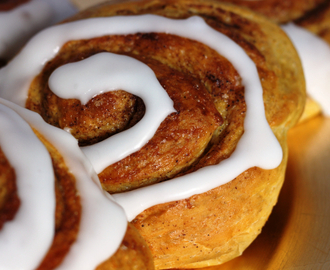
(316, 21)
(133, 253)
(216, 226)
(68, 209)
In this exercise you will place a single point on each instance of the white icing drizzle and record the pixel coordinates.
(257, 147)
(22, 22)
(103, 222)
(105, 72)
(19, 144)
(314, 53)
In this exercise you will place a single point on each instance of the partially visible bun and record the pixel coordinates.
(314, 16)
(63, 198)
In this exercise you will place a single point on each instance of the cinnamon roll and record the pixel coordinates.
(191, 142)
(53, 213)
(21, 19)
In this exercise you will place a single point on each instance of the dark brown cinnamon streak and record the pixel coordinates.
(9, 200)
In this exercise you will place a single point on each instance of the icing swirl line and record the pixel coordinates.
(105, 72)
(103, 222)
(257, 147)
(18, 142)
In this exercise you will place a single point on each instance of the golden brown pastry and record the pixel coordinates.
(68, 210)
(211, 109)
(133, 253)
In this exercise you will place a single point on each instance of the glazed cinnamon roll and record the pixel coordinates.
(21, 19)
(53, 213)
(182, 107)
